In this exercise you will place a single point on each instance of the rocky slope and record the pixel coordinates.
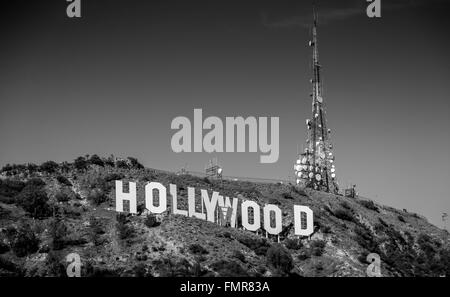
(52, 210)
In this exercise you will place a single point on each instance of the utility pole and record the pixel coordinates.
(444, 219)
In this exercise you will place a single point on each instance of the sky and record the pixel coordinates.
(112, 81)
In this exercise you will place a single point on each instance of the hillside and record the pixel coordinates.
(52, 210)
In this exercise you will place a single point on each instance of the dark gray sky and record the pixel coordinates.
(112, 81)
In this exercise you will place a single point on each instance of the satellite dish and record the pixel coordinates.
(319, 98)
(298, 181)
(333, 170)
(304, 160)
(299, 174)
(316, 115)
(318, 177)
(311, 168)
(298, 161)
(330, 154)
(219, 171)
(311, 175)
(333, 175)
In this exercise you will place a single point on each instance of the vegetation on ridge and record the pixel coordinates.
(50, 210)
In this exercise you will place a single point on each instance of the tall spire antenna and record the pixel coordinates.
(315, 167)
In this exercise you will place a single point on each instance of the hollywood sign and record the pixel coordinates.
(215, 208)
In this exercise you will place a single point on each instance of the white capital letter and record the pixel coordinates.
(121, 196)
(162, 193)
(267, 209)
(298, 209)
(256, 215)
(210, 204)
(173, 192)
(191, 204)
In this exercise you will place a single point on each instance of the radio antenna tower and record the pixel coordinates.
(315, 166)
(213, 169)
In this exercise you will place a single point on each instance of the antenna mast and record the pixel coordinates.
(314, 167)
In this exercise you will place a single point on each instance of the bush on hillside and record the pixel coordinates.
(122, 164)
(150, 221)
(31, 167)
(278, 257)
(135, 163)
(63, 180)
(97, 196)
(113, 177)
(109, 161)
(369, 205)
(35, 182)
(23, 240)
(34, 200)
(274, 201)
(326, 229)
(344, 214)
(49, 167)
(293, 244)
(239, 255)
(11, 269)
(317, 247)
(197, 249)
(80, 163)
(7, 167)
(123, 229)
(345, 205)
(96, 160)
(10, 187)
(58, 233)
(95, 231)
(365, 239)
(54, 264)
(258, 245)
(287, 195)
